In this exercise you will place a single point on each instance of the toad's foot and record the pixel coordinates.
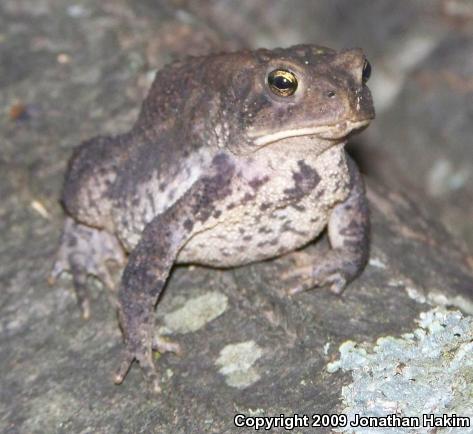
(334, 270)
(84, 251)
(143, 354)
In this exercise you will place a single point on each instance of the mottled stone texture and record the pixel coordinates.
(69, 70)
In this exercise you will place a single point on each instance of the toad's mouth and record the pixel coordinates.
(328, 132)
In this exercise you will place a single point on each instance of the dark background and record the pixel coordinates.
(70, 70)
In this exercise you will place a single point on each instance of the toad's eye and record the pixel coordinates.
(282, 82)
(366, 74)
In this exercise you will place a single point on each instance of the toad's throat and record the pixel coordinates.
(329, 132)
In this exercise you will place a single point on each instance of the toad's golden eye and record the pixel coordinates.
(282, 82)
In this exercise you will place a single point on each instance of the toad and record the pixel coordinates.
(235, 158)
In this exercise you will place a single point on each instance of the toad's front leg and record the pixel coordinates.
(150, 262)
(348, 231)
(142, 282)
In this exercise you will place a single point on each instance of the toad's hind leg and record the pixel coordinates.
(85, 251)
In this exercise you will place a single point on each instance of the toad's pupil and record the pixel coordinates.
(282, 82)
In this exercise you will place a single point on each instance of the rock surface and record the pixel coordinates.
(69, 70)
(426, 372)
